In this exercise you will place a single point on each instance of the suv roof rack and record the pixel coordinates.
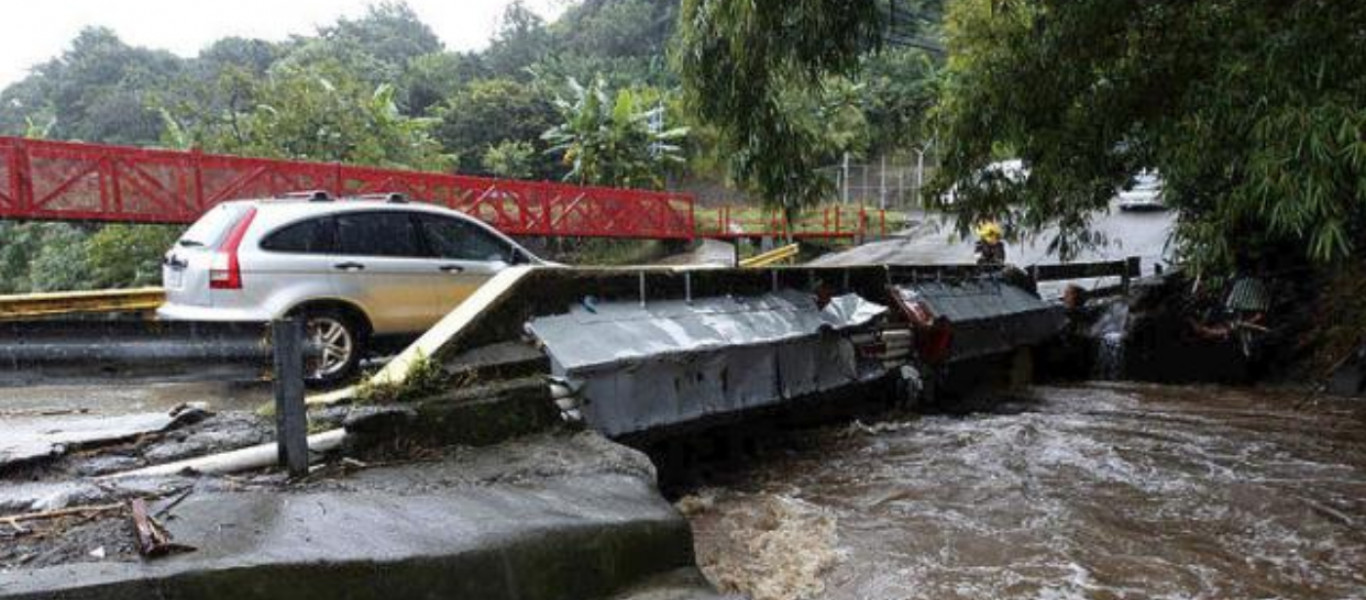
(390, 197)
(310, 195)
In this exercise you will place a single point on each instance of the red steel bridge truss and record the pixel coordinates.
(47, 180)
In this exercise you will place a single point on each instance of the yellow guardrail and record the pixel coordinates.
(771, 257)
(23, 306)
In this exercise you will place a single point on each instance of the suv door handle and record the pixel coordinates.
(349, 266)
(452, 269)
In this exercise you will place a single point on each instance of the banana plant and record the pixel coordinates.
(615, 139)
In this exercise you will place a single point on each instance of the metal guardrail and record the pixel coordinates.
(33, 352)
(771, 257)
(28, 306)
(1124, 269)
(93, 351)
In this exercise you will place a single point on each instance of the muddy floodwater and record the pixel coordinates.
(1095, 491)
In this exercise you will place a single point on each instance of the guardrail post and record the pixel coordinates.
(291, 416)
(1132, 268)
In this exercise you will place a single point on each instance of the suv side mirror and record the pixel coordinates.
(517, 257)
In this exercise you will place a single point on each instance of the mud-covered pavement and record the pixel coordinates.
(1095, 491)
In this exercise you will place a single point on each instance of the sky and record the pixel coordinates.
(42, 29)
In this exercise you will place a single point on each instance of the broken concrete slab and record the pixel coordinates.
(39, 438)
(225, 431)
(49, 495)
(556, 516)
(471, 416)
(486, 414)
(504, 360)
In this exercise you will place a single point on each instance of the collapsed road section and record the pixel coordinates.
(633, 351)
(437, 465)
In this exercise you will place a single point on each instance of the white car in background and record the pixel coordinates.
(1145, 195)
(360, 272)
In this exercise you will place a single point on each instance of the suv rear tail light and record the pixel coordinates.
(226, 272)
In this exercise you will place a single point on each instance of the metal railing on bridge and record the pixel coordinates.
(48, 180)
(825, 222)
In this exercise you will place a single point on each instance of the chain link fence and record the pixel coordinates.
(882, 183)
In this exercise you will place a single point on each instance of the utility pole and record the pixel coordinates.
(844, 180)
(901, 186)
(882, 184)
(919, 175)
(863, 190)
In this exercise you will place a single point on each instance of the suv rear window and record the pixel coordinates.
(210, 229)
(378, 234)
(315, 236)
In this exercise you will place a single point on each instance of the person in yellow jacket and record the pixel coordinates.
(991, 250)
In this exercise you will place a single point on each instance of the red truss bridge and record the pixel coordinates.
(47, 180)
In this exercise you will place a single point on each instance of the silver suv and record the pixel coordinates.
(360, 272)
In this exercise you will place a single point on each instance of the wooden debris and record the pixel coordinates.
(153, 541)
(59, 513)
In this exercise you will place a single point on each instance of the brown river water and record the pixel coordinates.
(1094, 491)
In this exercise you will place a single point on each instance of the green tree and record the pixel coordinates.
(616, 139)
(616, 28)
(1250, 109)
(488, 112)
(754, 69)
(97, 89)
(38, 129)
(19, 244)
(251, 55)
(123, 255)
(432, 78)
(390, 31)
(326, 113)
(61, 262)
(376, 48)
(521, 40)
(899, 91)
(509, 158)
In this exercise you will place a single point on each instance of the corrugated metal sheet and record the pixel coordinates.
(972, 299)
(1249, 294)
(671, 363)
(988, 316)
(613, 332)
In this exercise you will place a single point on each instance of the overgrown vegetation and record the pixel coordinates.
(1249, 109)
(1339, 327)
(43, 257)
(776, 80)
(591, 97)
(424, 376)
